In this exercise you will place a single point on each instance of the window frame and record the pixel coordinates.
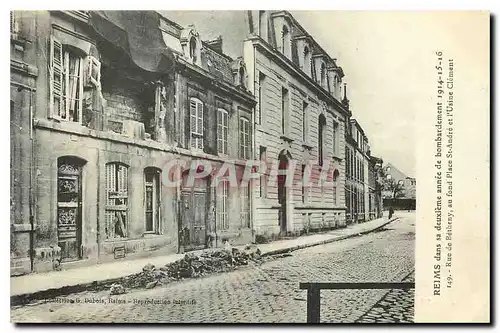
(223, 138)
(198, 134)
(245, 138)
(59, 82)
(156, 190)
(223, 205)
(115, 195)
(285, 106)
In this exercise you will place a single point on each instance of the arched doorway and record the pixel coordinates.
(283, 192)
(69, 207)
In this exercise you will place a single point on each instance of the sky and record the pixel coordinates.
(376, 50)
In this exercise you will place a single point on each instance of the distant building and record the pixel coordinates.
(405, 195)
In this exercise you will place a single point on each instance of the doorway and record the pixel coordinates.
(69, 207)
(194, 203)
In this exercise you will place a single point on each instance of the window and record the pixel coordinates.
(193, 50)
(66, 86)
(335, 138)
(285, 41)
(303, 184)
(263, 24)
(152, 199)
(244, 138)
(262, 79)
(116, 200)
(242, 77)
(334, 192)
(14, 25)
(323, 75)
(321, 134)
(196, 120)
(304, 121)
(222, 205)
(263, 177)
(306, 67)
(284, 109)
(222, 126)
(245, 206)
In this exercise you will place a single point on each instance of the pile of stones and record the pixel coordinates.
(190, 266)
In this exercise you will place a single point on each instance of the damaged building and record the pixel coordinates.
(100, 103)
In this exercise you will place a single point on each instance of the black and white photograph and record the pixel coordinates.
(238, 166)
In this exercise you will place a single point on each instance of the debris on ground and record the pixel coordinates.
(192, 266)
(117, 289)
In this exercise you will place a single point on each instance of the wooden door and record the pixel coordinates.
(194, 212)
(69, 210)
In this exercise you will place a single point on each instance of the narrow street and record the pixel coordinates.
(266, 293)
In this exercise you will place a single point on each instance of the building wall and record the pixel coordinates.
(23, 75)
(319, 210)
(34, 228)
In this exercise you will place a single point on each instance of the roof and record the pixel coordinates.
(214, 62)
(137, 34)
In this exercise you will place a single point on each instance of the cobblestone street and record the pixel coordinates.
(266, 293)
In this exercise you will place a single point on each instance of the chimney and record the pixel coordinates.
(216, 44)
(345, 101)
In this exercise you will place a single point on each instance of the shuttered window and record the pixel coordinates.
(222, 129)
(116, 200)
(222, 205)
(196, 123)
(245, 206)
(244, 138)
(66, 86)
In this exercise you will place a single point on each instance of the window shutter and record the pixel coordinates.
(93, 74)
(225, 128)
(220, 131)
(200, 124)
(110, 182)
(192, 111)
(56, 66)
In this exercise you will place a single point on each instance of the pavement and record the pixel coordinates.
(56, 283)
(262, 293)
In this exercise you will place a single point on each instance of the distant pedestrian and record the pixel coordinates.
(391, 212)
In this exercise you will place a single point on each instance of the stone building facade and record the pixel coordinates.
(101, 102)
(357, 189)
(300, 118)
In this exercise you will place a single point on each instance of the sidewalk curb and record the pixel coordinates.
(326, 241)
(22, 299)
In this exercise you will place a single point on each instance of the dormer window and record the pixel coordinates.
(285, 41)
(323, 75)
(193, 49)
(242, 76)
(306, 66)
(191, 45)
(239, 73)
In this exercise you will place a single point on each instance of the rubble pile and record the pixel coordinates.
(192, 266)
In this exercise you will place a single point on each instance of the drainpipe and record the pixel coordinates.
(32, 183)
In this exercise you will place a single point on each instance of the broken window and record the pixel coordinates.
(196, 121)
(116, 200)
(66, 86)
